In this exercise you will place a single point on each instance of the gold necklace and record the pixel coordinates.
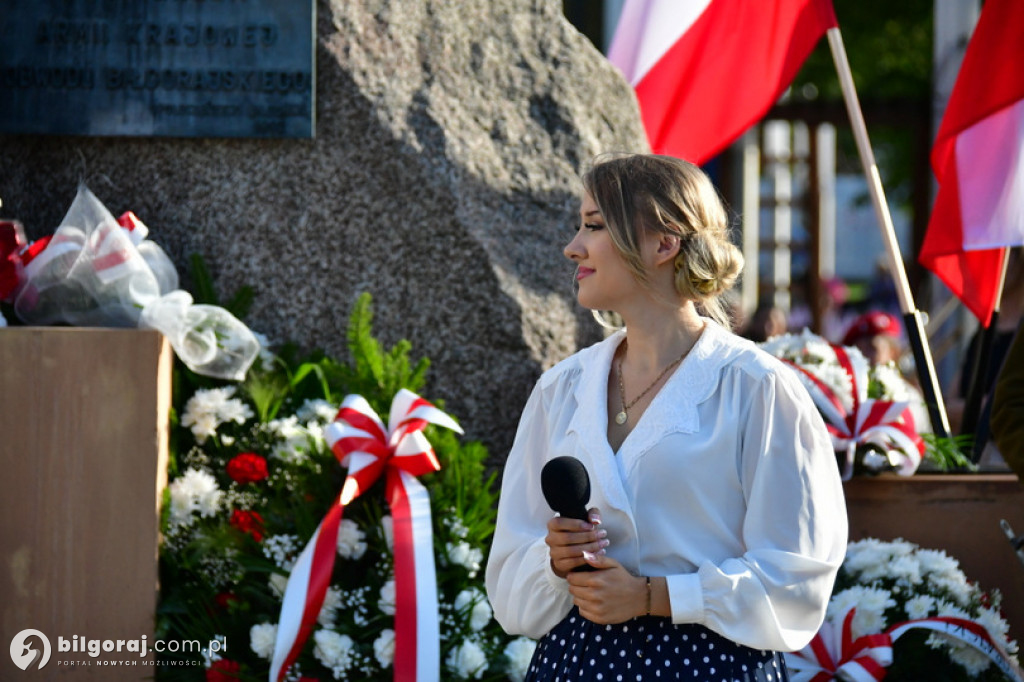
(623, 415)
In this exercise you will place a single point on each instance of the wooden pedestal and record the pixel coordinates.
(956, 513)
(83, 455)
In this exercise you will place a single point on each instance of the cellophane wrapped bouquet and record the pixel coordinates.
(252, 477)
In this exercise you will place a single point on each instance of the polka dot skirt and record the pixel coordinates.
(647, 649)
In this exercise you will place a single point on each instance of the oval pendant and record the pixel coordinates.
(620, 418)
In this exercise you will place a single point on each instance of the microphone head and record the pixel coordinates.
(566, 486)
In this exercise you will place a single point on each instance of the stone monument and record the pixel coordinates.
(442, 178)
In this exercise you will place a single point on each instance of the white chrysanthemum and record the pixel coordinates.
(384, 647)
(906, 570)
(973, 661)
(234, 410)
(351, 540)
(935, 562)
(203, 425)
(318, 409)
(262, 638)
(194, 491)
(890, 381)
(329, 610)
(467, 660)
(334, 650)
(208, 408)
(919, 606)
(871, 604)
(464, 554)
(864, 554)
(474, 601)
(956, 585)
(518, 654)
(294, 439)
(997, 627)
(278, 584)
(386, 602)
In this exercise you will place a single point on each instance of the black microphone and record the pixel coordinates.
(566, 487)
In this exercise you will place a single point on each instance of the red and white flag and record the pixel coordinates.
(978, 159)
(706, 70)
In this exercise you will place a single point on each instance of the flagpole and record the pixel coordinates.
(911, 316)
(985, 339)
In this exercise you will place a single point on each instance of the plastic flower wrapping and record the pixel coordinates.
(95, 271)
(254, 476)
(872, 413)
(903, 613)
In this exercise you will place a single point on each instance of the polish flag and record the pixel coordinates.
(706, 70)
(978, 159)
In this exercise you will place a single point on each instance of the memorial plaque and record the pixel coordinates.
(181, 68)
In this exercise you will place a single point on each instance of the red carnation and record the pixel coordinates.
(248, 522)
(225, 599)
(247, 467)
(223, 670)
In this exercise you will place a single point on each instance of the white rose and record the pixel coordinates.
(386, 603)
(467, 660)
(479, 610)
(384, 648)
(519, 653)
(262, 638)
(334, 650)
(351, 540)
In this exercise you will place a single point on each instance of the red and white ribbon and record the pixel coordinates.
(887, 424)
(361, 443)
(833, 655)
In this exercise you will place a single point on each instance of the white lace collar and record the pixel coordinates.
(674, 407)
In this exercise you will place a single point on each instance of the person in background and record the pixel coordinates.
(718, 521)
(1007, 419)
(876, 334)
(766, 321)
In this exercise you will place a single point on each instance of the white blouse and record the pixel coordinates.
(728, 486)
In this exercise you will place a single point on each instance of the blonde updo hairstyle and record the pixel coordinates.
(667, 195)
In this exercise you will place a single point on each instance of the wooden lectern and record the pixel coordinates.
(83, 459)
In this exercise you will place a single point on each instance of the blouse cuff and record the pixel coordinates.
(685, 598)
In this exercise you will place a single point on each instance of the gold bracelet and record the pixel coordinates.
(648, 595)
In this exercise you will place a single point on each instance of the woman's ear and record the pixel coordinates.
(668, 248)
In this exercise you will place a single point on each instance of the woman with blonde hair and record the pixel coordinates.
(717, 522)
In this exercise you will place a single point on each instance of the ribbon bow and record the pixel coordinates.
(361, 443)
(835, 655)
(885, 423)
(866, 658)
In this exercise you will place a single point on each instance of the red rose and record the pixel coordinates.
(248, 522)
(225, 599)
(247, 467)
(223, 670)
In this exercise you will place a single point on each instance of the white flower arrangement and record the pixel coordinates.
(252, 479)
(875, 417)
(887, 585)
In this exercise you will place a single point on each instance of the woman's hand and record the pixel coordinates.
(609, 595)
(567, 539)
